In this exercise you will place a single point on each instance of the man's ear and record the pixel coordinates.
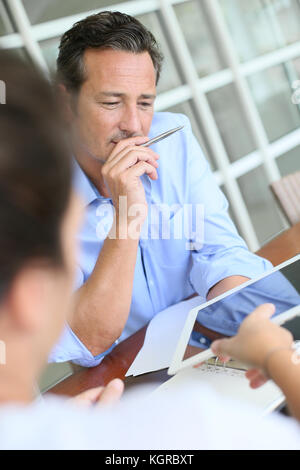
(67, 102)
(27, 297)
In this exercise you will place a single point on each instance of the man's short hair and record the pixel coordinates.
(105, 30)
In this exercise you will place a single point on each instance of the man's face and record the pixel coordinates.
(115, 102)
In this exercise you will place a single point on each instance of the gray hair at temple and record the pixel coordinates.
(105, 30)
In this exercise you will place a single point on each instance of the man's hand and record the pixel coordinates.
(256, 378)
(108, 395)
(256, 338)
(123, 168)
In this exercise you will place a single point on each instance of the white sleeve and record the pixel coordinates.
(180, 420)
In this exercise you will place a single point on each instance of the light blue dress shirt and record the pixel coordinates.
(167, 270)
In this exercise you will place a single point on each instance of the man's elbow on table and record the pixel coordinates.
(94, 326)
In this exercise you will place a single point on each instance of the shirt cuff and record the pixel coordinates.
(206, 274)
(70, 348)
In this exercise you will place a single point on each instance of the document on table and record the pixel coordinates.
(226, 381)
(162, 337)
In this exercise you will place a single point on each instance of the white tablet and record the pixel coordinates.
(281, 286)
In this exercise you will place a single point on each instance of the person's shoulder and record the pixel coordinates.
(163, 121)
(52, 423)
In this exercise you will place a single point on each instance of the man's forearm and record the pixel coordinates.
(218, 289)
(225, 285)
(102, 304)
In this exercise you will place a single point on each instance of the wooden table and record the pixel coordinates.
(283, 247)
(116, 364)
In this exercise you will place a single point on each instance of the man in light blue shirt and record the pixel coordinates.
(156, 229)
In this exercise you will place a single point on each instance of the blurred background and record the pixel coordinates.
(231, 66)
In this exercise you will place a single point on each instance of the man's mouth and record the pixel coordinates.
(119, 139)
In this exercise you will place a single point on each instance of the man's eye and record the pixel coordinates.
(146, 105)
(111, 103)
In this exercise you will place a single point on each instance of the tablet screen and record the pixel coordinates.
(282, 288)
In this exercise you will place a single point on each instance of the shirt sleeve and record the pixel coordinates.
(218, 251)
(69, 346)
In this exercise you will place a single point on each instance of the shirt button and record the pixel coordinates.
(151, 283)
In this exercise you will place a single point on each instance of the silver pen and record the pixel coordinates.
(161, 137)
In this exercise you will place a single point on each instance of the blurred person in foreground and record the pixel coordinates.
(39, 216)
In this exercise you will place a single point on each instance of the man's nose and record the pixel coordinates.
(131, 122)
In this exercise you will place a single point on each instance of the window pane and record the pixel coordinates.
(288, 18)
(272, 91)
(49, 49)
(289, 162)
(230, 211)
(261, 26)
(45, 10)
(6, 26)
(198, 37)
(261, 204)
(296, 64)
(169, 77)
(187, 109)
(230, 118)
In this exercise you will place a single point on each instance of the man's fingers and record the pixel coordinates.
(134, 150)
(258, 382)
(112, 393)
(256, 378)
(252, 373)
(223, 358)
(196, 366)
(141, 168)
(223, 347)
(264, 311)
(132, 141)
(101, 395)
(126, 161)
(88, 397)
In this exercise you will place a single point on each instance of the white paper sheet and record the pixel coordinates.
(162, 337)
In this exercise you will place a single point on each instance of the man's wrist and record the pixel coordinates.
(274, 355)
(126, 228)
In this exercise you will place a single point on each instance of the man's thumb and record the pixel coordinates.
(220, 347)
(264, 311)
